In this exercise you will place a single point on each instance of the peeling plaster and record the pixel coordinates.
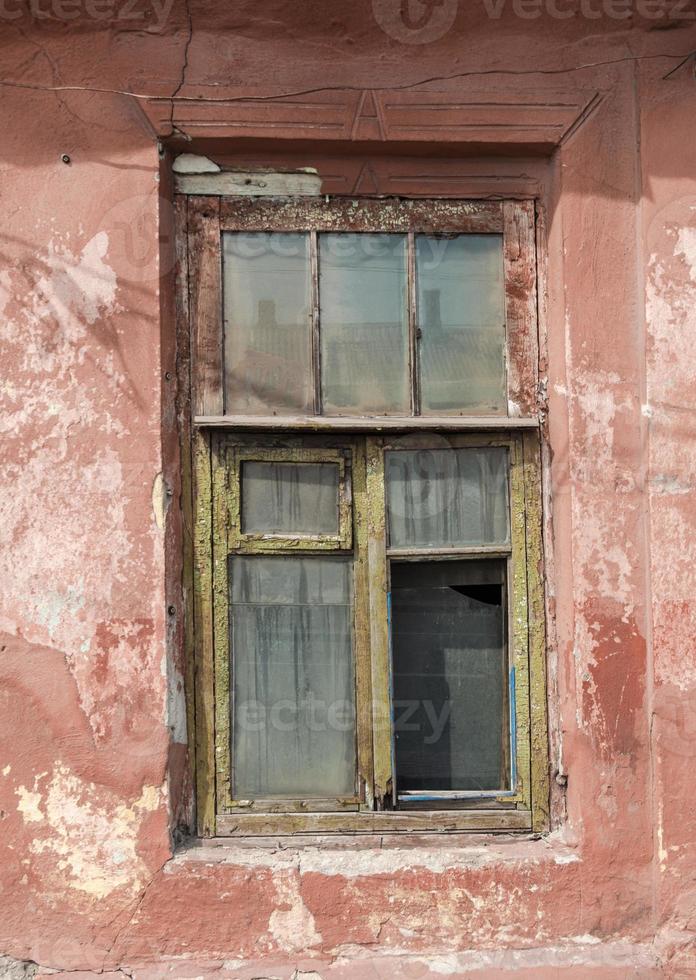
(28, 805)
(159, 501)
(192, 163)
(292, 924)
(77, 288)
(686, 246)
(367, 861)
(91, 839)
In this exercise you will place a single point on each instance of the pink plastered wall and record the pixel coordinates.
(94, 784)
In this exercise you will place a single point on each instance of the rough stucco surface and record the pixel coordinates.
(90, 684)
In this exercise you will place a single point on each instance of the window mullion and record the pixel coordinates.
(379, 625)
(414, 366)
(363, 660)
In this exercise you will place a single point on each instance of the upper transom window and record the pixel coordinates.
(365, 310)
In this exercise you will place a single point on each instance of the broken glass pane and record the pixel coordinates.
(450, 675)
(268, 351)
(439, 498)
(293, 677)
(287, 498)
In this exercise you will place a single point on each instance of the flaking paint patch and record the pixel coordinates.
(69, 384)
(28, 805)
(686, 247)
(368, 862)
(159, 503)
(77, 287)
(91, 839)
(292, 925)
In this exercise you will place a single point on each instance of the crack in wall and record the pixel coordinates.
(297, 93)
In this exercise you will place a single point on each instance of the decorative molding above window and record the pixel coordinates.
(538, 119)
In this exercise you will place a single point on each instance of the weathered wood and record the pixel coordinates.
(314, 315)
(518, 654)
(264, 807)
(221, 639)
(205, 292)
(366, 423)
(521, 307)
(475, 551)
(203, 626)
(253, 183)
(363, 653)
(259, 543)
(379, 625)
(361, 214)
(537, 634)
(422, 821)
(183, 411)
(413, 338)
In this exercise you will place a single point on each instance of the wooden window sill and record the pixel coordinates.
(422, 822)
(381, 423)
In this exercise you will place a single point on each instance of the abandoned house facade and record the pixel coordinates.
(349, 514)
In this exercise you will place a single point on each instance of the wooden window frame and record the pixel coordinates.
(219, 443)
(210, 218)
(266, 543)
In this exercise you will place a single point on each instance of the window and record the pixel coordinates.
(368, 615)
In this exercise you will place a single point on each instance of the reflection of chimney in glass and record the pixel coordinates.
(266, 329)
(267, 313)
(431, 314)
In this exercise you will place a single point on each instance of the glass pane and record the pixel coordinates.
(292, 669)
(461, 314)
(444, 498)
(364, 324)
(450, 676)
(280, 498)
(268, 354)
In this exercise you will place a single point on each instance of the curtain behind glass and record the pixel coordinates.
(447, 497)
(293, 677)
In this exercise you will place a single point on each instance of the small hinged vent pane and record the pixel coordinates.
(287, 498)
